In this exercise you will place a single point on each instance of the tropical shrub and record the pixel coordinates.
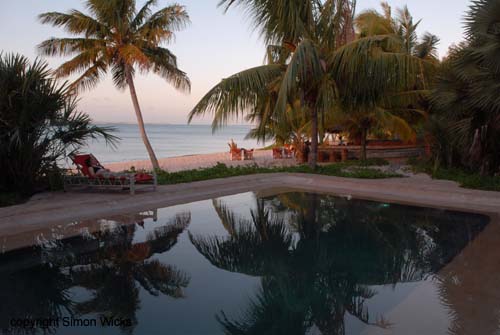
(39, 125)
(465, 100)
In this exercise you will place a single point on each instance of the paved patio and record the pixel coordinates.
(48, 212)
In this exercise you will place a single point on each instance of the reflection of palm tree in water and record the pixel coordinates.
(318, 261)
(298, 290)
(110, 265)
(115, 270)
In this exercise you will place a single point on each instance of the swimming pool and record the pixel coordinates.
(291, 263)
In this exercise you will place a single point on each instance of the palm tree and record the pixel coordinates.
(309, 64)
(115, 37)
(395, 108)
(301, 36)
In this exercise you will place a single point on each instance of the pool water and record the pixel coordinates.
(292, 263)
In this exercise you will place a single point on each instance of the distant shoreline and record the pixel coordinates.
(168, 141)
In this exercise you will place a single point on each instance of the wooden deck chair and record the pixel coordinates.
(248, 155)
(277, 153)
(106, 180)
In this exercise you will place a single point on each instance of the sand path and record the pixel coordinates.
(262, 158)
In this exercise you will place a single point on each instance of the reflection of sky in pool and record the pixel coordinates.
(288, 264)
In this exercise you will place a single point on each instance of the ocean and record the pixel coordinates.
(169, 141)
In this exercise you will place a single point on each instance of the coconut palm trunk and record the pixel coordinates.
(313, 154)
(140, 121)
(117, 38)
(364, 134)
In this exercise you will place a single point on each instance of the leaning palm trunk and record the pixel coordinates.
(116, 37)
(140, 121)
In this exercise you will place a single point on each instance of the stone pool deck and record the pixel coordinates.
(51, 209)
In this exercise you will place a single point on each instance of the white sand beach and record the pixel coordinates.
(263, 158)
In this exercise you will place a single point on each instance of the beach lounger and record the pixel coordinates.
(107, 180)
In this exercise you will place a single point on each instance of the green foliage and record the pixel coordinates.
(372, 23)
(465, 100)
(301, 35)
(279, 20)
(320, 76)
(116, 37)
(348, 170)
(390, 100)
(39, 126)
(240, 92)
(465, 178)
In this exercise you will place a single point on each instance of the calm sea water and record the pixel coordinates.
(293, 263)
(169, 141)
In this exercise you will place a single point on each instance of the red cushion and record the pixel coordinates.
(143, 177)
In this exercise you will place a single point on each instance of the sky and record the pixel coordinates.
(214, 46)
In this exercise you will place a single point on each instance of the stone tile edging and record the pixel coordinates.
(61, 208)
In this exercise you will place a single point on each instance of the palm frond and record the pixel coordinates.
(143, 14)
(370, 67)
(76, 22)
(159, 27)
(119, 75)
(303, 72)
(164, 63)
(427, 48)
(116, 36)
(235, 95)
(371, 23)
(70, 46)
(278, 20)
(77, 64)
(91, 77)
(407, 29)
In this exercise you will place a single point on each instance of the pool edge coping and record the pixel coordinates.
(52, 208)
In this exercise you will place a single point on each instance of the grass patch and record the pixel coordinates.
(347, 169)
(367, 173)
(466, 179)
(370, 162)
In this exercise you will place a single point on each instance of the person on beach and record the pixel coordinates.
(96, 169)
